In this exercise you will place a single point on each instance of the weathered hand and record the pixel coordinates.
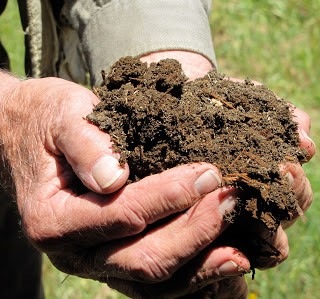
(295, 172)
(145, 233)
(278, 243)
(301, 188)
(194, 65)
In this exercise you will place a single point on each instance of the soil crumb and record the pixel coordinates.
(158, 119)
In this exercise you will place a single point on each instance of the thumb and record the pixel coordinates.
(89, 152)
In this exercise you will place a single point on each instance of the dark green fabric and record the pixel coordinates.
(4, 59)
(3, 4)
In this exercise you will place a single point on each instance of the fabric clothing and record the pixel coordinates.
(4, 59)
(111, 29)
(68, 39)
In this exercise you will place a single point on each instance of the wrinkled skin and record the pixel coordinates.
(150, 237)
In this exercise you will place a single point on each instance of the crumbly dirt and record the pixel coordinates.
(157, 120)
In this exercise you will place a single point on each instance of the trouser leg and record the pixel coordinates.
(20, 265)
(4, 58)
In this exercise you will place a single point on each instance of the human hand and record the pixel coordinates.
(278, 242)
(193, 64)
(293, 171)
(276, 247)
(120, 235)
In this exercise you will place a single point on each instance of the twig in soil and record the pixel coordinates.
(141, 80)
(141, 152)
(257, 159)
(233, 177)
(300, 213)
(219, 98)
(237, 158)
(115, 137)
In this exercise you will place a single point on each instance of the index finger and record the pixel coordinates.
(304, 127)
(90, 219)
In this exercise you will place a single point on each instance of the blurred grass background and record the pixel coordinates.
(271, 41)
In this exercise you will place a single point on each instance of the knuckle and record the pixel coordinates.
(133, 216)
(150, 267)
(179, 194)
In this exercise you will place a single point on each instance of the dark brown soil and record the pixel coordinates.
(157, 120)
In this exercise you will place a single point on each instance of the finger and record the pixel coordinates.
(156, 254)
(206, 269)
(301, 188)
(274, 249)
(263, 248)
(304, 123)
(307, 143)
(87, 149)
(302, 118)
(233, 287)
(124, 213)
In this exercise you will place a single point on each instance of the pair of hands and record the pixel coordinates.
(148, 239)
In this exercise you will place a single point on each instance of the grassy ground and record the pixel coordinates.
(275, 42)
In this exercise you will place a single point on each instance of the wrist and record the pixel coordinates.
(193, 64)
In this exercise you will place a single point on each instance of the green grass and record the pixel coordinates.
(275, 42)
(59, 285)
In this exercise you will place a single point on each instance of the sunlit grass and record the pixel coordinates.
(275, 42)
(59, 285)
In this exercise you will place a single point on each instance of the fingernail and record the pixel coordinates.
(306, 136)
(207, 182)
(106, 171)
(227, 204)
(230, 268)
(289, 177)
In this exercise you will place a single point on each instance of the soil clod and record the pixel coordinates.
(158, 120)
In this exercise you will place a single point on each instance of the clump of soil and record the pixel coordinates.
(157, 120)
